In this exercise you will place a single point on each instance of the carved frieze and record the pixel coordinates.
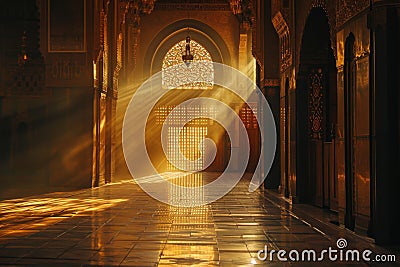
(68, 70)
(211, 5)
(346, 9)
(271, 82)
(65, 70)
(143, 6)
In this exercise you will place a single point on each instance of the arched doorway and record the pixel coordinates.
(316, 113)
(195, 131)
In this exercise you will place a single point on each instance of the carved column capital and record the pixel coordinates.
(147, 6)
(236, 6)
(135, 8)
(244, 10)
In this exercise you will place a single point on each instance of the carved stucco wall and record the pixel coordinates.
(338, 12)
(347, 9)
(292, 31)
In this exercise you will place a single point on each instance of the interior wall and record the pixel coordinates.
(69, 76)
(52, 94)
(359, 28)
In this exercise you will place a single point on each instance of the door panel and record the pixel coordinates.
(329, 173)
(316, 171)
(316, 124)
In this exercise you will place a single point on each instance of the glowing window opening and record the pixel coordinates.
(200, 69)
(188, 139)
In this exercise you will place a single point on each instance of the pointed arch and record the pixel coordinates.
(316, 117)
(176, 32)
(195, 72)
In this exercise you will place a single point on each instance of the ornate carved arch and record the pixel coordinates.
(330, 11)
(282, 28)
(177, 31)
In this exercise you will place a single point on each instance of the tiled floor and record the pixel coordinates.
(119, 224)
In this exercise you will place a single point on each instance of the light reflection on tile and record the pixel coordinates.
(119, 224)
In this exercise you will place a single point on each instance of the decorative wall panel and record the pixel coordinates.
(316, 104)
(67, 26)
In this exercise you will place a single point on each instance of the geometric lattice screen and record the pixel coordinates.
(196, 76)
